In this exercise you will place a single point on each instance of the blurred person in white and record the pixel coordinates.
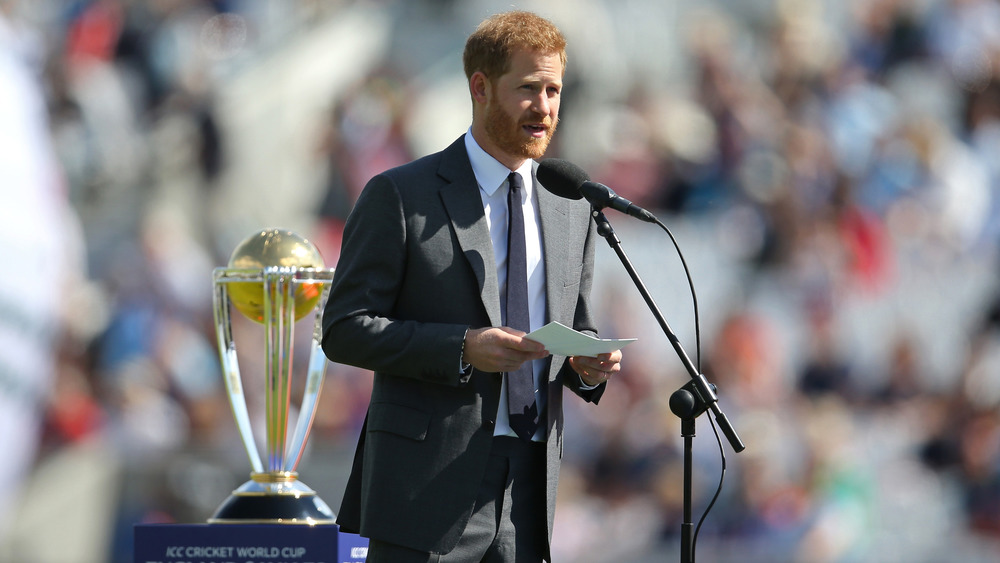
(36, 235)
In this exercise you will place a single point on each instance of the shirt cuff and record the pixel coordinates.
(463, 367)
(584, 386)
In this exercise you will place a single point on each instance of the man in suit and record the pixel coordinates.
(420, 296)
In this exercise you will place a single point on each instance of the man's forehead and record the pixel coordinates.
(526, 61)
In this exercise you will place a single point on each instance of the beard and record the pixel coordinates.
(510, 137)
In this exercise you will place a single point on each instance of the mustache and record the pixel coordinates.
(539, 119)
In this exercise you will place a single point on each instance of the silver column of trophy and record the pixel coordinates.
(274, 277)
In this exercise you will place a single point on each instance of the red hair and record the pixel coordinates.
(490, 47)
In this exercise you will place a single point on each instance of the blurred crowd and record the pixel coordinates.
(829, 168)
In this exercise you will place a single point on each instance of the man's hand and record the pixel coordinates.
(596, 370)
(500, 349)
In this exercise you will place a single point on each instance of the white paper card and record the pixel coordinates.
(561, 340)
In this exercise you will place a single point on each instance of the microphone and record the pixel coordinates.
(565, 179)
(561, 177)
(601, 196)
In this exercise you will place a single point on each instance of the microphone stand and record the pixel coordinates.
(695, 397)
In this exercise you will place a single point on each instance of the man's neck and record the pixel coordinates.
(483, 140)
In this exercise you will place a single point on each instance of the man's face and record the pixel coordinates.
(523, 107)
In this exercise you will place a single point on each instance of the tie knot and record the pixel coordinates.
(514, 179)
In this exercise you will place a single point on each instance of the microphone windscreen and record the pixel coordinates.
(561, 177)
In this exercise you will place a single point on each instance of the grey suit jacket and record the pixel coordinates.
(416, 271)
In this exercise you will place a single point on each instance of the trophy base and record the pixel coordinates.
(273, 498)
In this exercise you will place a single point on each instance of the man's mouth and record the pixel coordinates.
(535, 130)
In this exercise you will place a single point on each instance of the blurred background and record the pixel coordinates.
(828, 167)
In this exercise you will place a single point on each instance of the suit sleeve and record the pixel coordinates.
(358, 328)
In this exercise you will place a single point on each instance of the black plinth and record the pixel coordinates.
(247, 508)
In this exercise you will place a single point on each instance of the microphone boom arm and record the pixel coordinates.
(702, 387)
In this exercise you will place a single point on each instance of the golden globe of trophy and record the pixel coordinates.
(274, 277)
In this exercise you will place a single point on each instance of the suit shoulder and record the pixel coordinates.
(446, 163)
(420, 167)
(400, 182)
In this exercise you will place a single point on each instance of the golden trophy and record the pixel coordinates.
(274, 277)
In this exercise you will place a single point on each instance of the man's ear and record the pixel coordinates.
(479, 87)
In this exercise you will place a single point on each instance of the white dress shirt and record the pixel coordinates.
(492, 178)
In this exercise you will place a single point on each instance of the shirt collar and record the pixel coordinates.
(489, 172)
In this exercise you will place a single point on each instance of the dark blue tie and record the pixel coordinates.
(522, 410)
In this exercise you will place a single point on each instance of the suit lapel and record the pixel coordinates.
(462, 202)
(553, 214)
(461, 199)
